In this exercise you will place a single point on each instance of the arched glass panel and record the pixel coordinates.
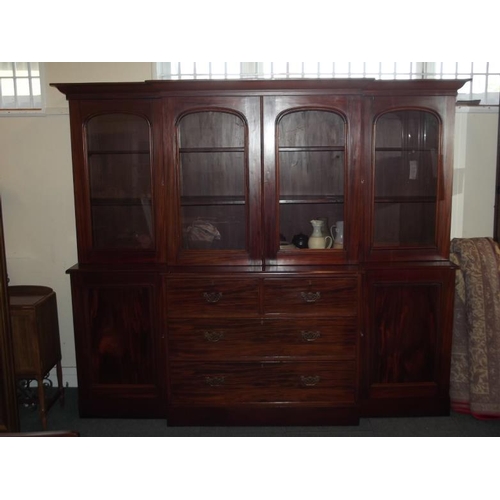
(213, 181)
(311, 175)
(406, 178)
(119, 164)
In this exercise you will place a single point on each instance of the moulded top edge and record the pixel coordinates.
(450, 85)
(257, 86)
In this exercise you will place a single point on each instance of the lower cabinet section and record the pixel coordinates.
(259, 349)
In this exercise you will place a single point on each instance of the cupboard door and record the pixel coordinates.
(406, 360)
(118, 343)
(215, 144)
(307, 172)
(117, 181)
(411, 180)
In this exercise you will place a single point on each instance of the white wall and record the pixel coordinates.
(474, 171)
(36, 186)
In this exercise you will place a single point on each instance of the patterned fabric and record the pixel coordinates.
(475, 361)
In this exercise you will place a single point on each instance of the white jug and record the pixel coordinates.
(317, 240)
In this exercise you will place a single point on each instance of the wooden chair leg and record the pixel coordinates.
(60, 383)
(41, 402)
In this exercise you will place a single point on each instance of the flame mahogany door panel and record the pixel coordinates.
(118, 343)
(405, 363)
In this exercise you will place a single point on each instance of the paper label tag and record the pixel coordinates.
(413, 169)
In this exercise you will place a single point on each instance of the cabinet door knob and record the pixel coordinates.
(310, 296)
(310, 336)
(309, 381)
(212, 297)
(212, 336)
(215, 381)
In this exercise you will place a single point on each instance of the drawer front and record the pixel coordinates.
(311, 297)
(264, 382)
(218, 340)
(207, 297)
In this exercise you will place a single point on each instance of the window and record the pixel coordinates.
(485, 84)
(20, 86)
(206, 70)
(485, 76)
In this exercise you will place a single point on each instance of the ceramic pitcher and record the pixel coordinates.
(317, 240)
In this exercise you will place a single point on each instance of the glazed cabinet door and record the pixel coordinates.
(407, 340)
(214, 165)
(310, 157)
(410, 178)
(119, 344)
(116, 151)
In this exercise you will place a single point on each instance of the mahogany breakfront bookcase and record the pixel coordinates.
(188, 304)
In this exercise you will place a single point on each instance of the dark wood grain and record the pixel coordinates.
(216, 297)
(226, 383)
(311, 297)
(406, 348)
(212, 339)
(120, 360)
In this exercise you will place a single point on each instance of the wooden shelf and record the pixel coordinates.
(211, 150)
(312, 149)
(118, 202)
(407, 150)
(211, 200)
(305, 199)
(94, 152)
(405, 199)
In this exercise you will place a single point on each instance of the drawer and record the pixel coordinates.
(218, 340)
(206, 297)
(311, 297)
(264, 382)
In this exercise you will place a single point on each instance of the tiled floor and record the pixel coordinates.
(66, 418)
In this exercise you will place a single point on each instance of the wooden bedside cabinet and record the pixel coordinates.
(35, 336)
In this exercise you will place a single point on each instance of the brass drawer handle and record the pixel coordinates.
(213, 336)
(309, 381)
(215, 381)
(310, 297)
(310, 336)
(212, 297)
